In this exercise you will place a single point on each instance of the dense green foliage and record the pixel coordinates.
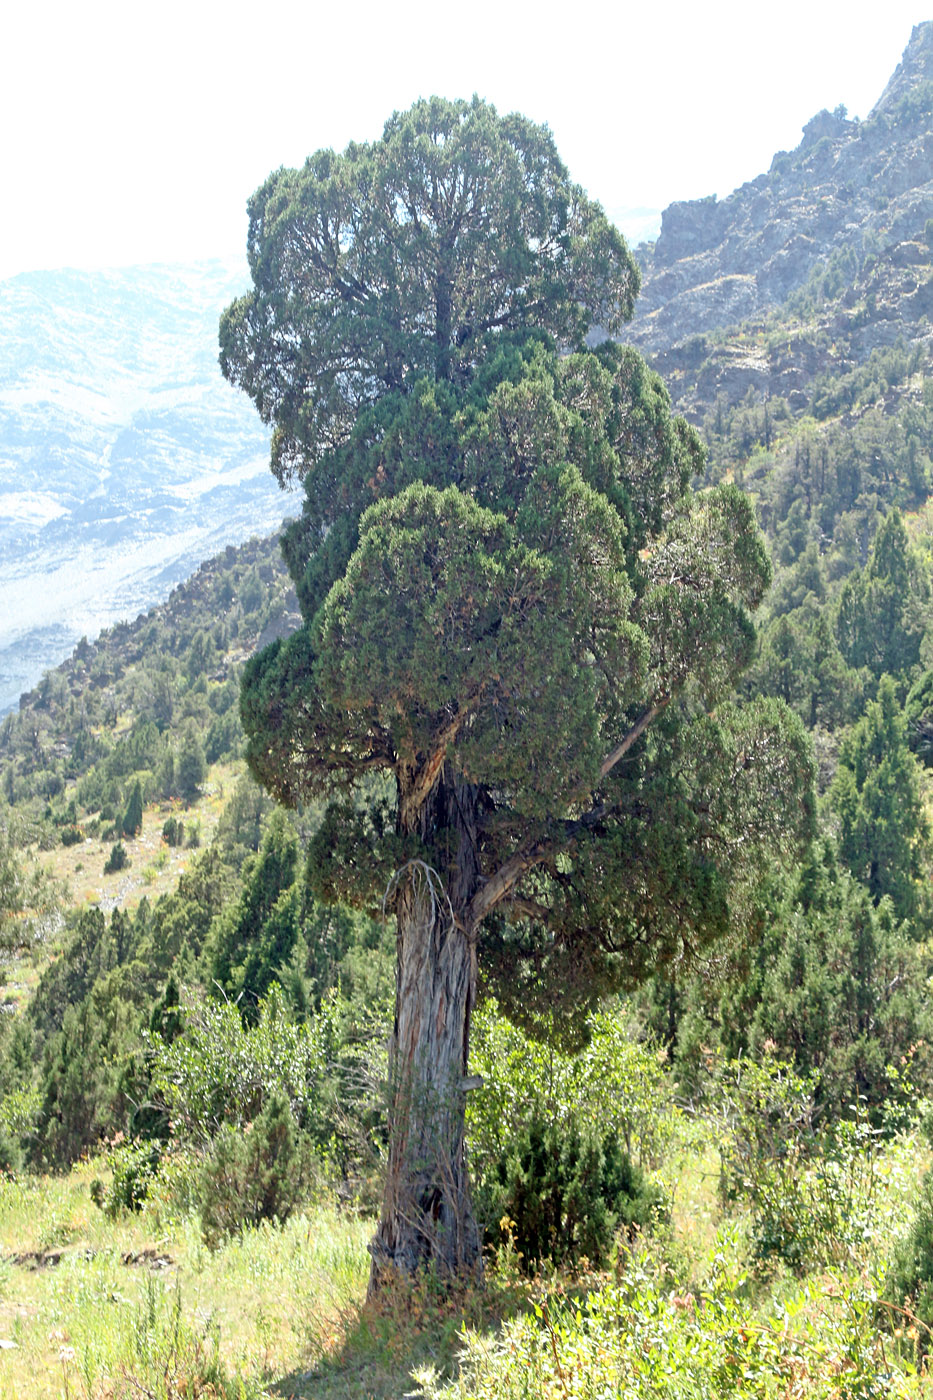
(563, 1195)
(412, 256)
(543, 590)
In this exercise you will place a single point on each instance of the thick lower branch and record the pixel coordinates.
(634, 733)
(500, 885)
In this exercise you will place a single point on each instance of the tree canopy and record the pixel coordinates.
(531, 647)
(408, 256)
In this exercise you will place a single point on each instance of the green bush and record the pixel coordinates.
(561, 1194)
(222, 1072)
(72, 835)
(811, 1188)
(909, 1279)
(135, 1165)
(259, 1174)
(117, 860)
(635, 1336)
(173, 832)
(11, 1155)
(616, 1082)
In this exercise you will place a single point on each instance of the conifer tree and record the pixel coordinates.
(883, 828)
(132, 821)
(883, 608)
(522, 630)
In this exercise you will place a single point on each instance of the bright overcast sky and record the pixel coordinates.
(135, 132)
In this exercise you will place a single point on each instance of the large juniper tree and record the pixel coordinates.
(522, 630)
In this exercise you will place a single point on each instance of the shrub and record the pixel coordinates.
(72, 835)
(222, 1072)
(259, 1174)
(615, 1082)
(173, 832)
(811, 1191)
(636, 1337)
(117, 860)
(560, 1193)
(134, 1169)
(909, 1280)
(11, 1156)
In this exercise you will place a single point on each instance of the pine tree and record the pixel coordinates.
(883, 828)
(132, 822)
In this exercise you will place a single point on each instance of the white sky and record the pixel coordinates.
(134, 133)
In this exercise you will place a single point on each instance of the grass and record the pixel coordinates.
(272, 1301)
(154, 867)
(138, 1306)
(153, 871)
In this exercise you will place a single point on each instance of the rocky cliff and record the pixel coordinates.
(831, 245)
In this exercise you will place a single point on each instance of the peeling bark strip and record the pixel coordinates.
(426, 776)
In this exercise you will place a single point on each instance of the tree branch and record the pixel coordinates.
(634, 733)
(500, 885)
(414, 797)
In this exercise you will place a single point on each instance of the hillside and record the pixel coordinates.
(809, 268)
(125, 458)
(716, 1182)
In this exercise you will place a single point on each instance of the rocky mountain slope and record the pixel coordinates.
(820, 261)
(125, 458)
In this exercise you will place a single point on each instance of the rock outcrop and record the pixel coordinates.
(847, 210)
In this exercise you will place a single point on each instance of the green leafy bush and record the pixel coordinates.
(636, 1337)
(135, 1165)
(220, 1072)
(811, 1189)
(173, 832)
(909, 1279)
(614, 1082)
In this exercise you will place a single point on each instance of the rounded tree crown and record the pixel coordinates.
(411, 256)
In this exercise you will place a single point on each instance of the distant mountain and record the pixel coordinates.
(125, 458)
(832, 244)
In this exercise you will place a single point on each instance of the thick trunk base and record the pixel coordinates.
(427, 1221)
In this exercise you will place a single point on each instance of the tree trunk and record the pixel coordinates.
(427, 1217)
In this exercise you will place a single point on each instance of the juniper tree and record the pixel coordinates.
(522, 630)
(884, 832)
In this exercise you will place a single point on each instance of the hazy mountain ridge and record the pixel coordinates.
(855, 197)
(125, 458)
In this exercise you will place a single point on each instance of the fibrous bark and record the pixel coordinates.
(427, 1216)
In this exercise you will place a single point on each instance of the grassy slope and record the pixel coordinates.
(153, 871)
(139, 1307)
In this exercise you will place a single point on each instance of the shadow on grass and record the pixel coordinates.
(409, 1326)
